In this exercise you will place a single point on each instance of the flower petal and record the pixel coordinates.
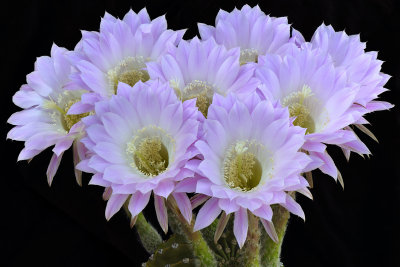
(240, 226)
(184, 205)
(114, 204)
(53, 166)
(161, 212)
(207, 214)
(270, 229)
(291, 205)
(138, 202)
(164, 189)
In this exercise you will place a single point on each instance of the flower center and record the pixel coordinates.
(151, 157)
(242, 170)
(129, 71)
(61, 107)
(200, 90)
(248, 55)
(299, 106)
(149, 151)
(70, 120)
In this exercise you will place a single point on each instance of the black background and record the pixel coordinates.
(65, 226)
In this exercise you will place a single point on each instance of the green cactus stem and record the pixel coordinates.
(249, 254)
(148, 235)
(271, 251)
(201, 250)
(176, 251)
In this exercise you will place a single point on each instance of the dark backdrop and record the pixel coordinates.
(65, 226)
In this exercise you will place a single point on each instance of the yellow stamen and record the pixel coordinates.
(67, 120)
(149, 150)
(131, 78)
(242, 170)
(296, 102)
(248, 55)
(70, 120)
(129, 71)
(200, 90)
(151, 157)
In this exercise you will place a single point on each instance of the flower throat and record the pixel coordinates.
(248, 55)
(70, 120)
(297, 104)
(200, 90)
(242, 170)
(129, 71)
(149, 151)
(67, 120)
(151, 157)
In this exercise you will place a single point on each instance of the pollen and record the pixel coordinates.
(248, 55)
(298, 104)
(58, 108)
(149, 151)
(151, 157)
(203, 93)
(132, 77)
(129, 71)
(242, 170)
(70, 120)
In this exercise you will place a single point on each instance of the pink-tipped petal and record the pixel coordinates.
(198, 200)
(187, 185)
(207, 214)
(183, 202)
(161, 212)
(53, 166)
(240, 226)
(270, 229)
(138, 202)
(294, 207)
(329, 166)
(114, 204)
(164, 189)
(264, 212)
(228, 205)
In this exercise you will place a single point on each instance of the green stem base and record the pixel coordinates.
(249, 254)
(178, 224)
(271, 251)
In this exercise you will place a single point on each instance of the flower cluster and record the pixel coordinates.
(239, 117)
